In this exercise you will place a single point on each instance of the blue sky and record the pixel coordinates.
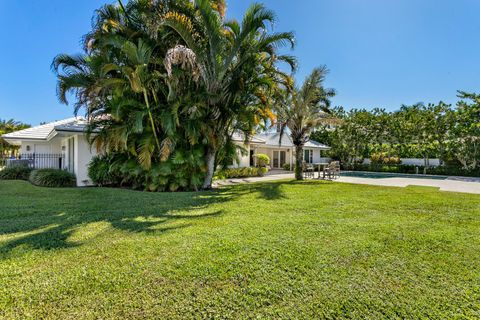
(381, 53)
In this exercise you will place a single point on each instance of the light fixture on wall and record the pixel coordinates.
(63, 148)
(28, 148)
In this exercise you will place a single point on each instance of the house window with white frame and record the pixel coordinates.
(308, 155)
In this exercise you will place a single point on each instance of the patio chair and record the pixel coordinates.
(327, 172)
(308, 170)
(336, 169)
(332, 171)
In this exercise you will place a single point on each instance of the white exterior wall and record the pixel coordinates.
(289, 158)
(244, 159)
(413, 162)
(269, 152)
(53, 146)
(83, 155)
(316, 155)
(58, 145)
(420, 162)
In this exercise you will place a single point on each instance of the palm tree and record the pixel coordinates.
(304, 109)
(115, 81)
(7, 126)
(230, 61)
(160, 79)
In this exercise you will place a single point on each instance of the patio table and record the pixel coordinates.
(321, 166)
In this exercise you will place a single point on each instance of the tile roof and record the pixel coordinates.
(41, 132)
(77, 124)
(241, 138)
(272, 139)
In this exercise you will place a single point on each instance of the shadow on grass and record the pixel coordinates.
(45, 219)
(273, 190)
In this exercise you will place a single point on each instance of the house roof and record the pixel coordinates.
(272, 139)
(77, 124)
(43, 131)
(237, 136)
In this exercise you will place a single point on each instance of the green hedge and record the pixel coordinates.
(15, 173)
(52, 178)
(440, 170)
(240, 173)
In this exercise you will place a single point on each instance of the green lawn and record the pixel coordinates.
(273, 250)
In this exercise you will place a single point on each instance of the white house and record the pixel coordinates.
(60, 145)
(279, 153)
(63, 145)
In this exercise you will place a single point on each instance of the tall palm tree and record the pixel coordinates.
(302, 110)
(159, 79)
(229, 60)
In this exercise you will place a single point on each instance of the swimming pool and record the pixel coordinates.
(382, 175)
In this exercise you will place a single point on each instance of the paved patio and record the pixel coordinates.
(452, 184)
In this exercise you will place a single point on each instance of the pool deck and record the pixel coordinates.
(452, 184)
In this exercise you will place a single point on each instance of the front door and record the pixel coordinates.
(279, 159)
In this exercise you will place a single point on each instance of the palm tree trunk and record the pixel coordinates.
(298, 162)
(210, 160)
(152, 123)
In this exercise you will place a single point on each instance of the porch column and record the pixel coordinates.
(291, 159)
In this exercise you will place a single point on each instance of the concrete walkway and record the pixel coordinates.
(453, 184)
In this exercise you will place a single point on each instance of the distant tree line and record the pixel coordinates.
(451, 134)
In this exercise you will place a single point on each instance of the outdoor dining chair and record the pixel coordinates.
(308, 170)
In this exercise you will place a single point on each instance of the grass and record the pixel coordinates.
(272, 250)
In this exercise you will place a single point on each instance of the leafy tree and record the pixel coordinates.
(466, 132)
(352, 136)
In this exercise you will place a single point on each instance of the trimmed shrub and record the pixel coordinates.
(262, 160)
(440, 170)
(52, 178)
(240, 173)
(15, 173)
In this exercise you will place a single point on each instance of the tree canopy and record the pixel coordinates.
(416, 131)
(166, 83)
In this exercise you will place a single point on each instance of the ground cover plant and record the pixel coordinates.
(271, 250)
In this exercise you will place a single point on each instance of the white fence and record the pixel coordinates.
(414, 162)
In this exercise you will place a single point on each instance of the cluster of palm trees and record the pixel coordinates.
(166, 83)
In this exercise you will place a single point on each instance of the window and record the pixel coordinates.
(279, 159)
(308, 156)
